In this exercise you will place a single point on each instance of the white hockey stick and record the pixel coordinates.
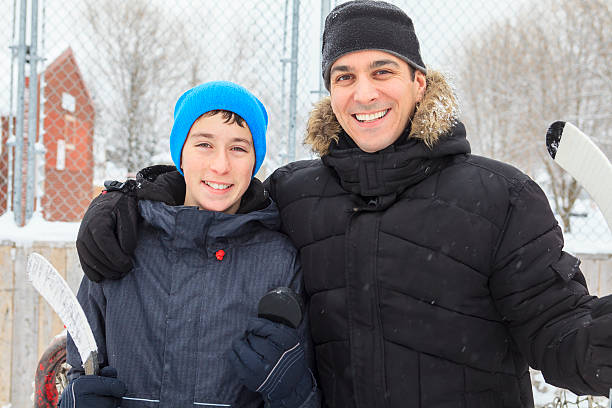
(576, 153)
(54, 289)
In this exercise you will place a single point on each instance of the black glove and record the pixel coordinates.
(109, 230)
(94, 391)
(597, 359)
(270, 359)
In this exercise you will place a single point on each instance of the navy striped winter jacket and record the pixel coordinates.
(167, 325)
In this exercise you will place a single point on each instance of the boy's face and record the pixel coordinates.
(217, 161)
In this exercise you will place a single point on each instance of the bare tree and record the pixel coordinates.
(548, 63)
(142, 68)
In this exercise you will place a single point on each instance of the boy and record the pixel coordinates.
(165, 331)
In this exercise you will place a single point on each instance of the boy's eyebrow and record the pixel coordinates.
(211, 136)
(374, 64)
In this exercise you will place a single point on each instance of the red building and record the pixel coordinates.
(68, 129)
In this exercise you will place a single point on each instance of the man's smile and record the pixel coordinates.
(370, 117)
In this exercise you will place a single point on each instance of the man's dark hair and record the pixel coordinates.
(412, 72)
(228, 116)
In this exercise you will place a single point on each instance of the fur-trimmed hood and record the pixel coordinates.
(436, 114)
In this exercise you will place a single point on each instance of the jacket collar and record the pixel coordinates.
(190, 227)
(165, 183)
(399, 166)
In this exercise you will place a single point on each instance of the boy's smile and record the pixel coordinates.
(217, 160)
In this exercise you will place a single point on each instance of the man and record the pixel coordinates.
(435, 277)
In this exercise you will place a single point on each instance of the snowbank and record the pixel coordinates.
(37, 230)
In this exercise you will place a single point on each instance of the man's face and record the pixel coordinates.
(373, 97)
(217, 160)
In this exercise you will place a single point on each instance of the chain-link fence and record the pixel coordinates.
(88, 87)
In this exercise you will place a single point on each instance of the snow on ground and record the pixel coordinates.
(36, 230)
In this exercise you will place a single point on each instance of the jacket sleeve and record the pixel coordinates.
(542, 296)
(92, 300)
(297, 284)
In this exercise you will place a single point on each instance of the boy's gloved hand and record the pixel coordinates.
(270, 359)
(94, 391)
(109, 230)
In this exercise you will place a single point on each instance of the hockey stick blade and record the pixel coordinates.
(54, 289)
(576, 153)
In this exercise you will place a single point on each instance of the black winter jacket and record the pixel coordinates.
(435, 276)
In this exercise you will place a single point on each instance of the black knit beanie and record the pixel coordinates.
(369, 25)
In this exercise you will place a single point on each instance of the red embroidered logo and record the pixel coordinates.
(220, 254)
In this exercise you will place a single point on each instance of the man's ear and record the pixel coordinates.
(421, 80)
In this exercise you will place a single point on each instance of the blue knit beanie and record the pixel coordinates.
(221, 95)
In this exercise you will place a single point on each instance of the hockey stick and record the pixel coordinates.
(576, 153)
(54, 289)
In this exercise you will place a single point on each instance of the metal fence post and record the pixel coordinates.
(33, 112)
(10, 142)
(18, 162)
(295, 30)
(325, 9)
(284, 61)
